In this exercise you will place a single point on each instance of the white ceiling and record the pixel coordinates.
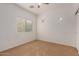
(43, 7)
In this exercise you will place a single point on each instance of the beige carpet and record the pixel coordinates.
(41, 48)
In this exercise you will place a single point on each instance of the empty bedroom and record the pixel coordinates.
(39, 29)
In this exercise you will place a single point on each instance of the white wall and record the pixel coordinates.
(53, 30)
(77, 41)
(9, 37)
(76, 6)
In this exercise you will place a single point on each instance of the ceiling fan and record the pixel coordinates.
(38, 5)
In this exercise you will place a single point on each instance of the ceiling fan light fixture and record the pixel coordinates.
(39, 4)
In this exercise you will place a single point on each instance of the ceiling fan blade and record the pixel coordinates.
(31, 6)
(46, 3)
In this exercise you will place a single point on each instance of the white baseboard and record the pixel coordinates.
(63, 43)
(15, 45)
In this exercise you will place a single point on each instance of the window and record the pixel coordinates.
(24, 25)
